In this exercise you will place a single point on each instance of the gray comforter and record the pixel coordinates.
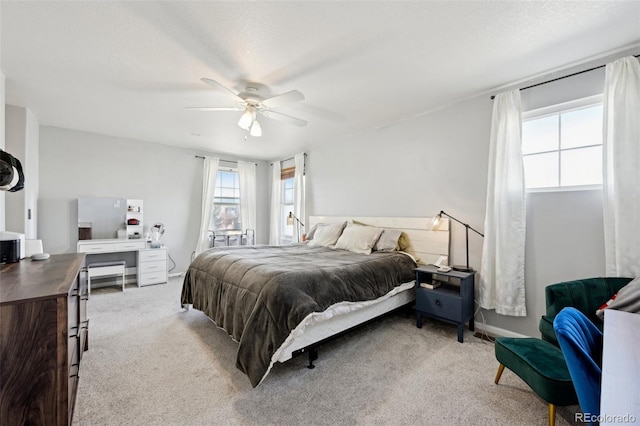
(258, 294)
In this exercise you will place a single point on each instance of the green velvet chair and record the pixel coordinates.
(541, 365)
(586, 295)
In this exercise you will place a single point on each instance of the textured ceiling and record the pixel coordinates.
(130, 69)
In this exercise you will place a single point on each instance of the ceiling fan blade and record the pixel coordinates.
(283, 99)
(217, 85)
(284, 117)
(216, 108)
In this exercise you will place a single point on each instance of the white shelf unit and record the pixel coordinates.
(133, 222)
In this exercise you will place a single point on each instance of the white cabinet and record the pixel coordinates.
(133, 219)
(152, 266)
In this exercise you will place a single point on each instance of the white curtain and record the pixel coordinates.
(208, 191)
(247, 175)
(502, 270)
(621, 168)
(298, 196)
(276, 199)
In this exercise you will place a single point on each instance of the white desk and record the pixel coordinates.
(620, 368)
(151, 267)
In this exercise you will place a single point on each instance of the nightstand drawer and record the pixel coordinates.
(443, 304)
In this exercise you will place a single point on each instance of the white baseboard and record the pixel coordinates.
(496, 331)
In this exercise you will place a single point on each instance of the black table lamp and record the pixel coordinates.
(435, 225)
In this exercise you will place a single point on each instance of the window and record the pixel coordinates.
(286, 231)
(226, 202)
(562, 145)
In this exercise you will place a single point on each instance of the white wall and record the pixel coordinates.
(2, 96)
(22, 141)
(76, 164)
(439, 162)
(2, 147)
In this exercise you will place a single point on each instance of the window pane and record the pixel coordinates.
(287, 191)
(540, 135)
(228, 217)
(582, 127)
(581, 166)
(541, 170)
(226, 204)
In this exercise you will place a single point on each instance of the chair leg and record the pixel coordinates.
(552, 415)
(123, 281)
(499, 373)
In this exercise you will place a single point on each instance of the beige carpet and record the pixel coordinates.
(152, 363)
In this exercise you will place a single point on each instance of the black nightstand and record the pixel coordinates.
(451, 301)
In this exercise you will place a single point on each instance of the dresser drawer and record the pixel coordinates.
(93, 248)
(155, 266)
(111, 246)
(153, 255)
(441, 303)
(130, 246)
(152, 278)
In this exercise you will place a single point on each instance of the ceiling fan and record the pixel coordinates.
(251, 102)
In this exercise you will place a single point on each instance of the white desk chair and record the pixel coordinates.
(105, 269)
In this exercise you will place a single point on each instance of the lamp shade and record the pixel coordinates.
(256, 129)
(246, 119)
(290, 219)
(436, 222)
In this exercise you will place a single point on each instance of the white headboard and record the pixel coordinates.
(425, 244)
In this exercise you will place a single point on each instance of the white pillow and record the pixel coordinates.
(389, 240)
(359, 238)
(327, 234)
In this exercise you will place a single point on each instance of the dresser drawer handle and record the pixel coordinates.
(438, 302)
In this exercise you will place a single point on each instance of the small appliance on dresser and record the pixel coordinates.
(12, 247)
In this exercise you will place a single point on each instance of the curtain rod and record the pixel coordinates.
(222, 159)
(287, 159)
(560, 78)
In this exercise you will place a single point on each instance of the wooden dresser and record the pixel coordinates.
(43, 334)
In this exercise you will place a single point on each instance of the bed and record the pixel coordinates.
(279, 301)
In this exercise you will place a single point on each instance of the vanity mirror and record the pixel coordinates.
(108, 218)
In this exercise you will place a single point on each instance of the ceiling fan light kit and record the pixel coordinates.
(247, 118)
(251, 102)
(256, 129)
